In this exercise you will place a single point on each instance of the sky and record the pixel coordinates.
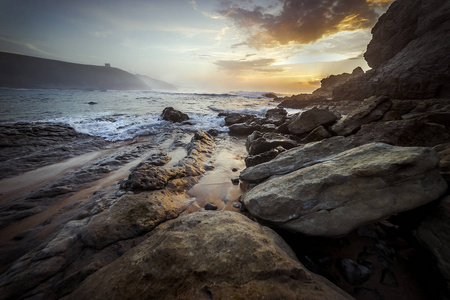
(283, 46)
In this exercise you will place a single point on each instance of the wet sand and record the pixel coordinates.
(214, 187)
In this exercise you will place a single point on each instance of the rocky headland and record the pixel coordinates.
(346, 199)
(21, 71)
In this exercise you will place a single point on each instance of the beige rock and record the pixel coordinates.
(357, 187)
(297, 158)
(131, 216)
(205, 255)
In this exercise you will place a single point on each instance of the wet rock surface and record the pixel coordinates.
(195, 257)
(332, 197)
(27, 146)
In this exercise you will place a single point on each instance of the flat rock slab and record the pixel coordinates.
(356, 187)
(297, 158)
(208, 255)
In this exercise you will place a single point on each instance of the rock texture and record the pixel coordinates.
(311, 119)
(173, 115)
(28, 146)
(297, 158)
(433, 232)
(373, 109)
(328, 84)
(196, 257)
(408, 54)
(359, 186)
(258, 142)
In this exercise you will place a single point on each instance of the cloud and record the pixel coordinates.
(263, 65)
(300, 21)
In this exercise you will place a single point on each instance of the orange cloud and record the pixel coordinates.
(301, 21)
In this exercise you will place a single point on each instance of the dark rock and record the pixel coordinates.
(302, 101)
(388, 278)
(443, 151)
(173, 115)
(407, 53)
(268, 128)
(372, 110)
(253, 160)
(210, 206)
(242, 129)
(354, 273)
(235, 181)
(283, 128)
(317, 134)
(433, 233)
(276, 116)
(213, 132)
(367, 294)
(235, 118)
(270, 95)
(258, 142)
(310, 119)
(92, 103)
(328, 84)
(406, 133)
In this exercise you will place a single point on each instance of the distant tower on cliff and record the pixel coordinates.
(107, 65)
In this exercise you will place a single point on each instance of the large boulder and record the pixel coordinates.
(408, 54)
(297, 158)
(373, 109)
(276, 116)
(434, 234)
(173, 115)
(357, 187)
(207, 255)
(310, 119)
(258, 142)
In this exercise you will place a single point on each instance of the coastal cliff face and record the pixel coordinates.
(408, 53)
(20, 71)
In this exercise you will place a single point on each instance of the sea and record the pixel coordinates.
(121, 115)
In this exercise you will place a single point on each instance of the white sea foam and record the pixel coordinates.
(121, 115)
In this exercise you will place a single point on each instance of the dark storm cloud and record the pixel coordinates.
(301, 21)
(259, 65)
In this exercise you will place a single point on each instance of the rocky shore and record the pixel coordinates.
(347, 199)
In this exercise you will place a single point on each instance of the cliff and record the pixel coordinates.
(408, 53)
(20, 71)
